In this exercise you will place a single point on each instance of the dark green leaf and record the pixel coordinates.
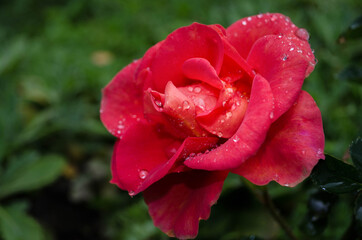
(15, 224)
(336, 176)
(356, 153)
(354, 31)
(358, 214)
(351, 73)
(319, 205)
(29, 172)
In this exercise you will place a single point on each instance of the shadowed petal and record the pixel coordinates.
(292, 148)
(179, 201)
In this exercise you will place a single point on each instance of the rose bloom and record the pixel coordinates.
(207, 101)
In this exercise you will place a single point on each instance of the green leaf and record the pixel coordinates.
(358, 214)
(15, 224)
(335, 176)
(354, 31)
(356, 153)
(29, 172)
(351, 73)
(319, 206)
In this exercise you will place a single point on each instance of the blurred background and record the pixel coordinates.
(57, 55)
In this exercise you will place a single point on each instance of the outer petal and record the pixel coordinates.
(248, 138)
(194, 41)
(284, 62)
(245, 32)
(292, 148)
(178, 201)
(122, 101)
(140, 150)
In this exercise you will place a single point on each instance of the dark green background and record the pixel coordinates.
(56, 56)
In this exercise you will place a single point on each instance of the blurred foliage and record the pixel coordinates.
(54, 153)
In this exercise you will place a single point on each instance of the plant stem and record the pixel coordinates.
(267, 201)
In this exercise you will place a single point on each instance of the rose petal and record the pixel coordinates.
(245, 32)
(292, 148)
(248, 137)
(140, 150)
(190, 146)
(201, 69)
(122, 101)
(179, 201)
(194, 41)
(284, 63)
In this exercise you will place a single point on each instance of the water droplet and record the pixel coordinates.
(186, 105)
(192, 155)
(228, 115)
(286, 185)
(299, 51)
(143, 174)
(243, 22)
(236, 139)
(249, 19)
(271, 115)
(302, 34)
(197, 89)
(158, 103)
(190, 88)
(131, 193)
(285, 57)
(303, 152)
(260, 15)
(119, 131)
(291, 49)
(121, 126)
(219, 134)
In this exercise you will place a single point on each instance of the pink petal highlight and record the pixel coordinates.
(245, 32)
(284, 63)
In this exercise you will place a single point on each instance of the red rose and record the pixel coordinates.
(208, 101)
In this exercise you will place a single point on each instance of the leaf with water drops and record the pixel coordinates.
(354, 31)
(335, 176)
(356, 153)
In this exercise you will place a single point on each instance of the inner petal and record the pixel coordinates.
(229, 111)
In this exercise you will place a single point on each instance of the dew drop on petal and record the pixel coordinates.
(219, 134)
(143, 174)
(197, 89)
(291, 49)
(302, 34)
(285, 57)
(303, 152)
(243, 22)
(190, 88)
(131, 193)
(186, 105)
(158, 103)
(236, 139)
(271, 115)
(228, 115)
